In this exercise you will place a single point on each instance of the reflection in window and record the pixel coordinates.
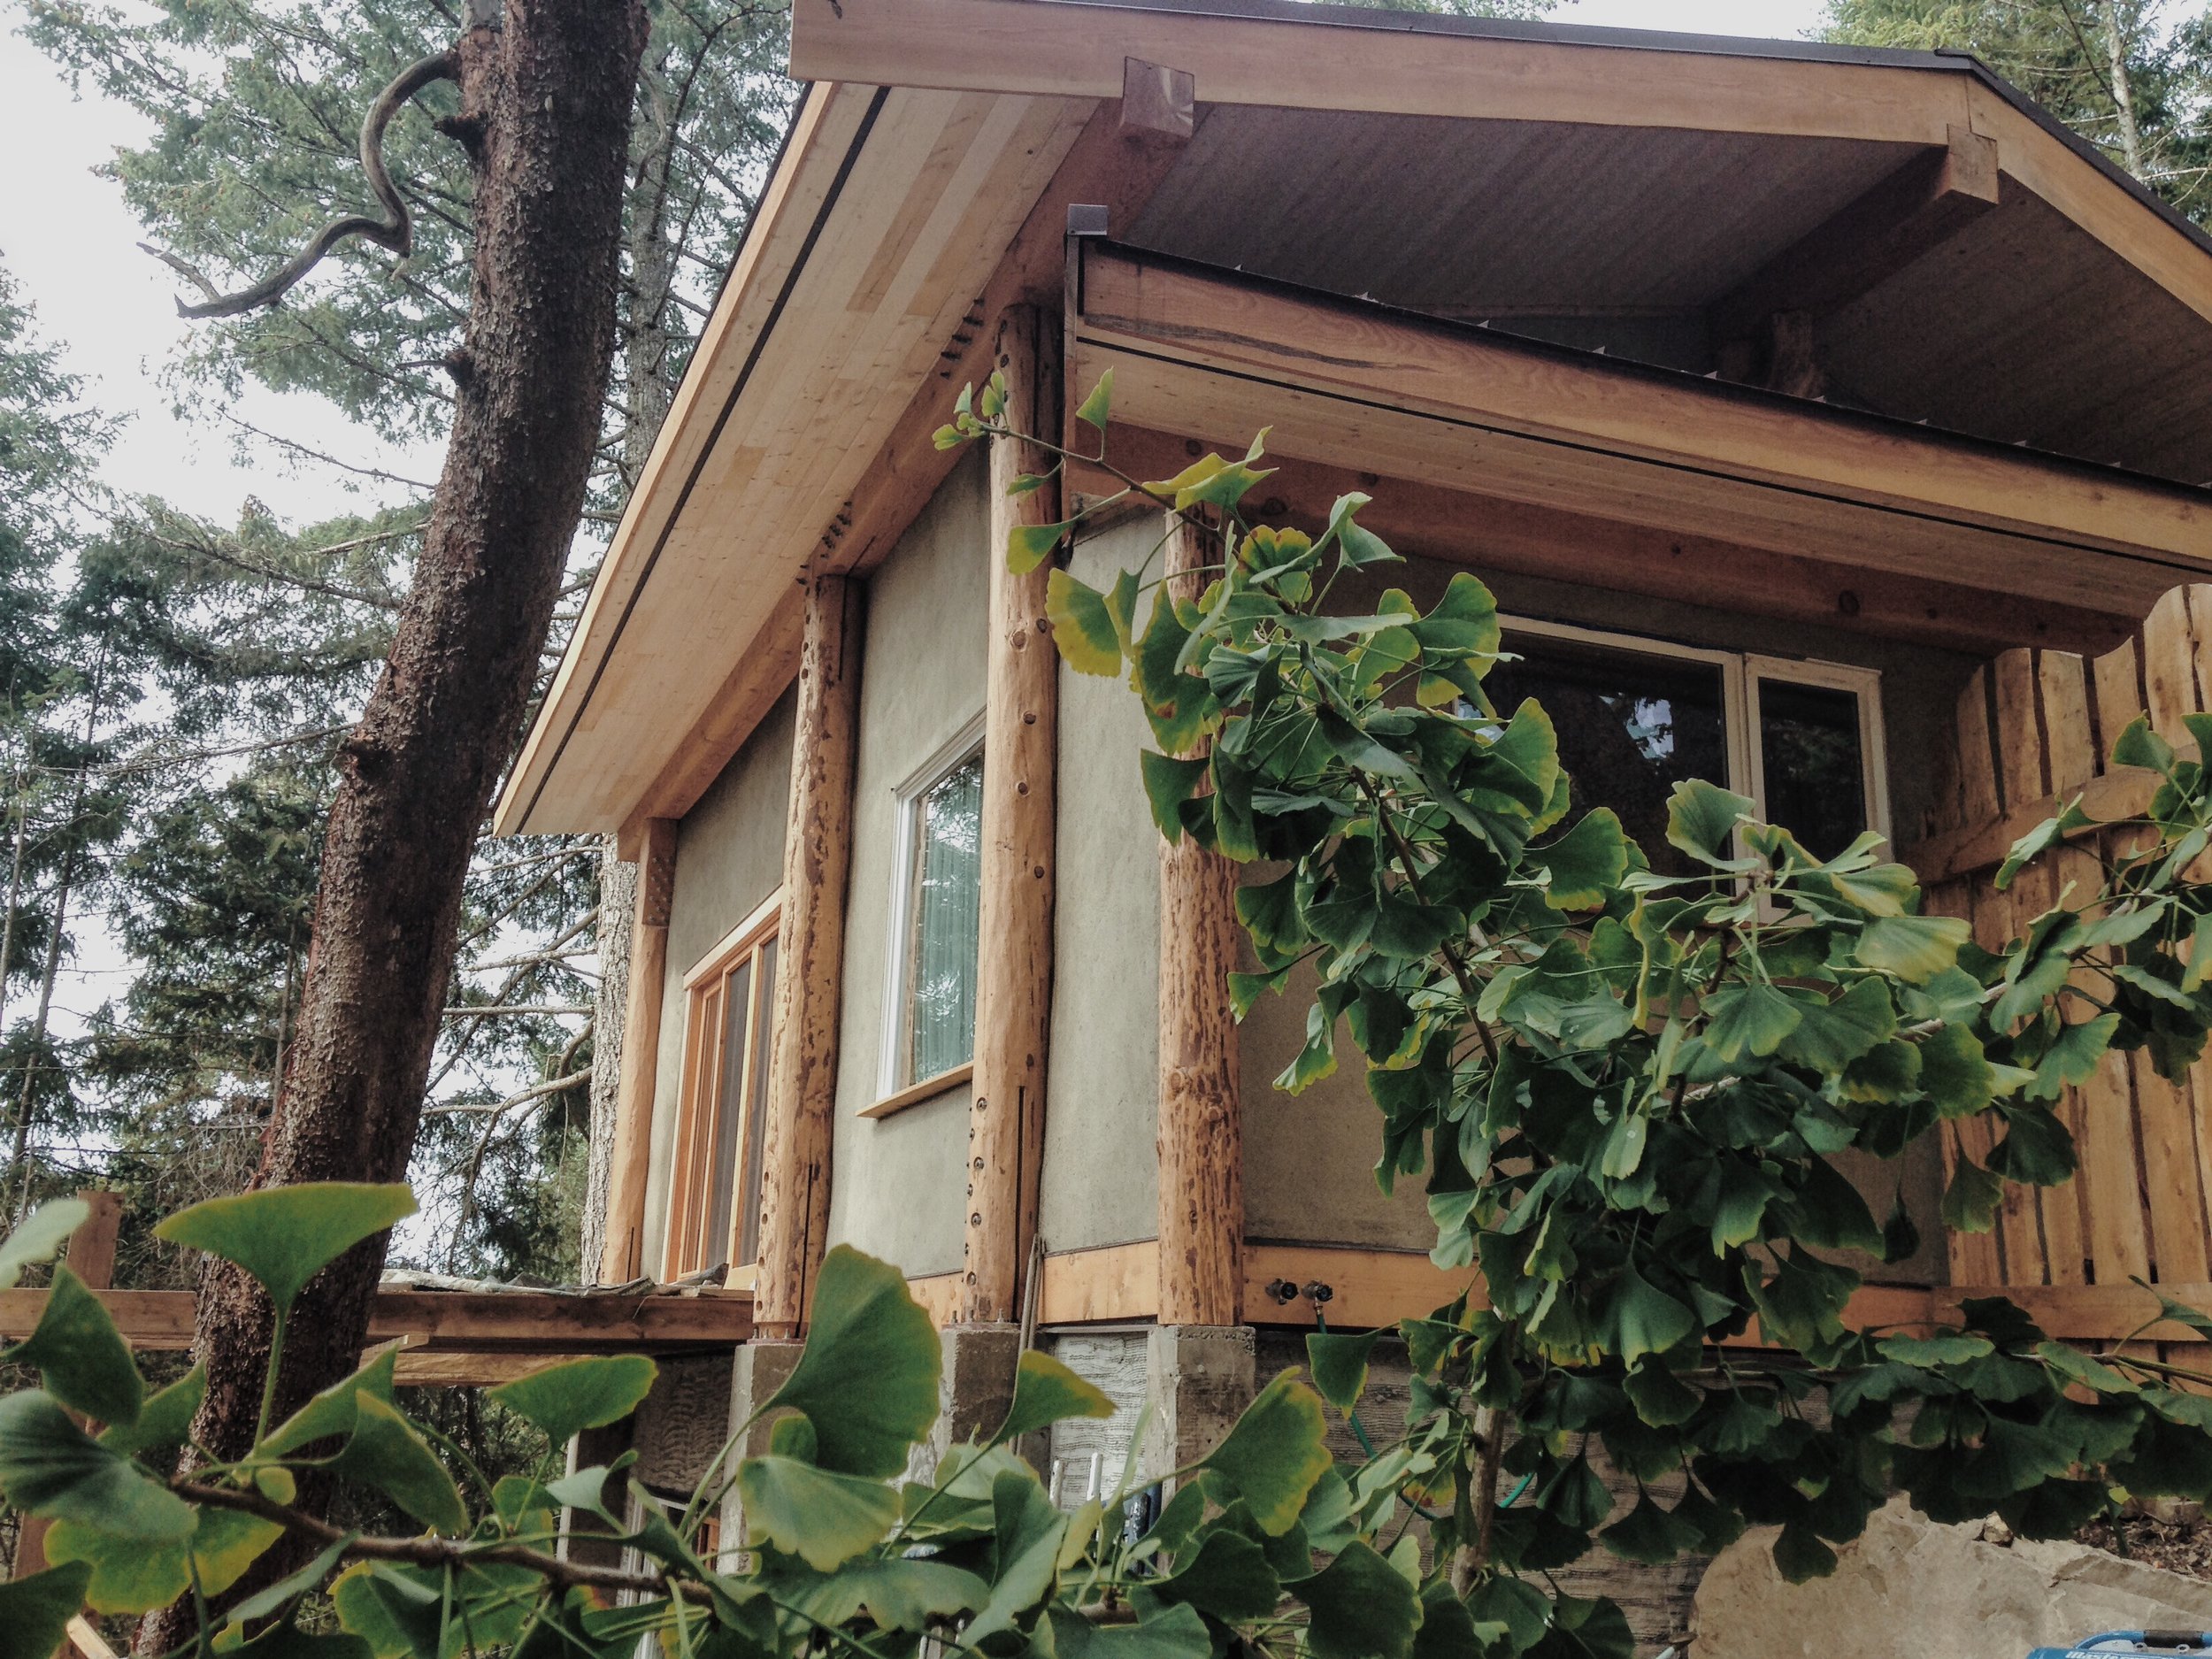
(939, 999)
(714, 1194)
(1815, 770)
(1631, 727)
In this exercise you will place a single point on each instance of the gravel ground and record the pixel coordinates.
(2182, 1545)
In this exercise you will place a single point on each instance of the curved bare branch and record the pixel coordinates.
(395, 231)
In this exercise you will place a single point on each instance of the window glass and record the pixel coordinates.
(756, 1116)
(1631, 726)
(939, 999)
(714, 1193)
(737, 1004)
(1816, 768)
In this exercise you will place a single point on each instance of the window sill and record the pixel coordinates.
(915, 1093)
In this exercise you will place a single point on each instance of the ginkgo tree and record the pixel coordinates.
(1623, 1092)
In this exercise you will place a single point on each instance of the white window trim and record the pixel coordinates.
(1740, 673)
(954, 752)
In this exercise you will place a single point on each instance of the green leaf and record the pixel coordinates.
(1177, 1633)
(1640, 1318)
(265, 1601)
(1030, 545)
(334, 1410)
(2072, 1057)
(44, 1230)
(1650, 1535)
(35, 1611)
(1274, 1454)
(823, 1517)
(1970, 1204)
(898, 1594)
(1227, 1576)
(868, 1379)
(2076, 1366)
(1927, 1352)
(1954, 1073)
(1168, 783)
(1224, 487)
(1339, 1363)
(50, 1467)
(1587, 864)
(164, 1421)
(1083, 625)
(131, 1576)
(387, 1453)
(564, 1400)
(1361, 1607)
(82, 1359)
(1029, 1535)
(1830, 1035)
(1701, 820)
(1464, 624)
(2139, 746)
(286, 1235)
(1800, 1556)
(1750, 1018)
(1045, 1392)
(1915, 948)
(1097, 408)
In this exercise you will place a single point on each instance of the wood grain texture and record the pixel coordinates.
(622, 1252)
(809, 957)
(1013, 1008)
(1201, 1140)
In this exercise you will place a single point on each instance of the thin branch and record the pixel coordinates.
(499, 1109)
(395, 231)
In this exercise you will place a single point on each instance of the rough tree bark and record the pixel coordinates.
(546, 91)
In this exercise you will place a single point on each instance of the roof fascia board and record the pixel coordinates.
(829, 121)
(1052, 47)
(1380, 63)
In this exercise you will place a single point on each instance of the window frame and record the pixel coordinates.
(698, 1118)
(893, 1089)
(1740, 674)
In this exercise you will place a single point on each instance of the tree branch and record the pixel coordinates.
(393, 231)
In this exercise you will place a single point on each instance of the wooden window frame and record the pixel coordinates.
(699, 1103)
(895, 1090)
(1740, 673)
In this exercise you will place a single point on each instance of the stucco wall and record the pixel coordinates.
(898, 1182)
(729, 858)
(1100, 1176)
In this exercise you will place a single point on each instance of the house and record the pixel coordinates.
(1829, 422)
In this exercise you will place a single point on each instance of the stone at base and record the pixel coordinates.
(762, 1367)
(683, 1422)
(1198, 1379)
(1910, 1587)
(973, 1392)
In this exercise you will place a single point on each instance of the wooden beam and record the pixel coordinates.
(1079, 51)
(1490, 534)
(440, 1368)
(809, 957)
(1906, 216)
(1204, 351)
(518, 1321)
(1201, 1136)
(629, 1172)
(1013, 1009)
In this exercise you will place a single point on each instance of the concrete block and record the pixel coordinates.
(973, 1392)
(761, 1367)
(1909, 1585)
(1199, 1378)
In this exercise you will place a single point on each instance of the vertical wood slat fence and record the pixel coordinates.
(2035, 728)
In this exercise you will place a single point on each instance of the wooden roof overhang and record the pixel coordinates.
(1759, 489)
(923, 188)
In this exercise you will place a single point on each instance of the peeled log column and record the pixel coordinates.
(1202, 1129)
(623, 1257)
(810, 960)
(1014, 968)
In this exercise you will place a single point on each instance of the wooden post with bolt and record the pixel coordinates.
(1020, 758)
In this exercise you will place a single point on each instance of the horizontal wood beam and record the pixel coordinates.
(1905, 216)
(456, 1320)
(1491, 534)
(2124, 792)
(1079, 51)
(1217, 354)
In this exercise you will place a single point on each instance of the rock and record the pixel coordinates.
(1910, 1587)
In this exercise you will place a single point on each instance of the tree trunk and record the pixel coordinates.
(610, 1029)
(2115, 44)
(545, 97)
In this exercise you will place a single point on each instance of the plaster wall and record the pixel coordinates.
(729, 858)
(899, 1183)
(1100, 1183)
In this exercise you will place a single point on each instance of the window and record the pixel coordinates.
(714, 1189)
(1636, 717)
(937, 889)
